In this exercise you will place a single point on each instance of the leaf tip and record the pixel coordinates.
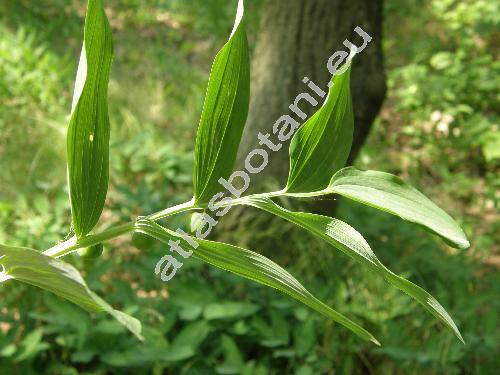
(375, 341)
(458, 240)
(239, 16)
(464, 243)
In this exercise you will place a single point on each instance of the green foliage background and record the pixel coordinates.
(438, 129)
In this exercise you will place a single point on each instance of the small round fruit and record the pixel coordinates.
(142, 241)
(93, 251)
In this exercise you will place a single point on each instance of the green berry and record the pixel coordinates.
(90, 252)
(142, 241)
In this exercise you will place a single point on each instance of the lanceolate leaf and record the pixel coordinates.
(391, 194)
(32, 267)
(88, 131)
(224, 113)
(321, 146)
(348, 240)
(255, 267)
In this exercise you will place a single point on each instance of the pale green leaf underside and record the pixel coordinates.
(256, 267)
(61, 278)
(224, 114)
(348, 240)
(321, 146)
(389, 193)
(88, 131)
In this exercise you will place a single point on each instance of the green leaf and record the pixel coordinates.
(490, 145)
(229, 310)
(224, 113)
(304, 337)
(321, 146)
(255, 267)
(233, 359)
(32, 345)
(144, 355)
(391, 194)
(348, 240)
(88, 131)
(61, 278)
(192, 335)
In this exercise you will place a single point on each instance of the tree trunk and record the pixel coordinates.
(295, 40)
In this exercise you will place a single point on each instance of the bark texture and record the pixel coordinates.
(296, 38)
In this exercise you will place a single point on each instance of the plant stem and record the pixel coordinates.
(172, 210)
(74, 244)
(242, 200)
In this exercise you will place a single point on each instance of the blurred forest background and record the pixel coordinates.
(437, 129)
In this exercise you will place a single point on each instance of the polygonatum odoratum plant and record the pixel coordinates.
(318, 153)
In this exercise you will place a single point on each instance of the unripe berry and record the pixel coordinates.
(93, 251)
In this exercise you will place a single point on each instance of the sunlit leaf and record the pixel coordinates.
(88, 131)
(391, 194)
(61, 278)
(348, 240)
(224, 113)
(321, 146)
(253, 266)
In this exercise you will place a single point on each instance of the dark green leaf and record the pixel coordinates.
(348, 240)
(304, 337)
(321, 146)
(61, 278)
(88, 131)
(224, 113)
(233, 359)
(255, 267)
(192, 335)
